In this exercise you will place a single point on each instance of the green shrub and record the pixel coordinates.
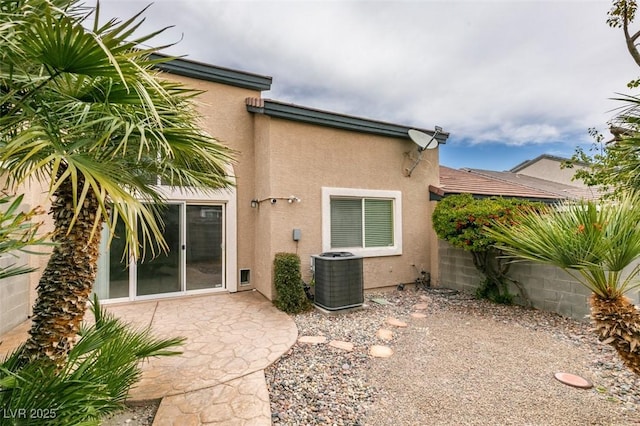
(94, 382)
(462, 220)
(290, 296)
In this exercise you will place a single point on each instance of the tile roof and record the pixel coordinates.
(486, 183)
(559, 189)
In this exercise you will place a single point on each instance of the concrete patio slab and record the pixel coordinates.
(219, 377)
(243, 401)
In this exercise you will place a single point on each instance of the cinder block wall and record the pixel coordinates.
(549, 288)
(14, 295)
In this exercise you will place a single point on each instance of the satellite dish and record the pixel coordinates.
(423, 140)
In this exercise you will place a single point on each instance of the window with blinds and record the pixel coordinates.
(361, 222)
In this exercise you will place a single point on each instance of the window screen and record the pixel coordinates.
(361, 222)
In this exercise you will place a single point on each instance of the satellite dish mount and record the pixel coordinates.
(424, 142)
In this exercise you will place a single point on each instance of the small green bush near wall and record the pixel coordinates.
(290, 296)
(462, 221)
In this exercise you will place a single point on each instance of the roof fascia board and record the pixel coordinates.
(200, 71)
(330, 119)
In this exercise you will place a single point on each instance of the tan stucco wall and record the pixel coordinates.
(303, 158)
(18, 294)
(36, 195)
(279, 158)
(550, 169)
(226, 118)
(263, 255)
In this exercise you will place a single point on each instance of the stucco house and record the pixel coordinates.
(307, 181)
(549, 167)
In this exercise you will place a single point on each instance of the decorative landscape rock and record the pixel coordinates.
(384, 334)
(311, 384)
(312, 340)
(418, 315)
(573, 380)
(396, 322)
(379, 351)
(421, 306)
(345, 346)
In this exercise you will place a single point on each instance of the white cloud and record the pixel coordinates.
(515, 72)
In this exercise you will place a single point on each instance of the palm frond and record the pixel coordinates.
(597, 240)
(86, 106)
(101, 368)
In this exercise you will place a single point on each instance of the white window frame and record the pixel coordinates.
(395, 196)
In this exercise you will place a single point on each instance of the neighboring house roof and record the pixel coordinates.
(202, 71)
(488, 183)
(560, 190)
(453, 181)
(527, 163)
(331, 119)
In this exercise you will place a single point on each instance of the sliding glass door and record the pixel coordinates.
(195, 260)
(204, 243)
(163, 273)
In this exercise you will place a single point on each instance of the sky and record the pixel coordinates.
(509, 80)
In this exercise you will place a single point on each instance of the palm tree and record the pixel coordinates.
(596, 243)
(83, 111)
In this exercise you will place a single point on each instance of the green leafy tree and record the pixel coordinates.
(83, 111)
(594, 242)
(615, 165)
(461, 220)
(621, 15)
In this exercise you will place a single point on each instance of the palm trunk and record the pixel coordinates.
(63, 290)
(617, 323)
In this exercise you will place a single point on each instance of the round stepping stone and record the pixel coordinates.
(379, 351)
(345, 346)
(384, 334)
(396, 322)
(312, 340)
(420, 306)
(418, 315)
(573, 380)
(425, 298)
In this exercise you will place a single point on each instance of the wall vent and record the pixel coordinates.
(245, 276)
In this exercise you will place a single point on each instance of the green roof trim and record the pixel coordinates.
(201, 71)
(331, 119)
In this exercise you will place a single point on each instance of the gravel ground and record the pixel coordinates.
(469, 362)
(137, 414)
